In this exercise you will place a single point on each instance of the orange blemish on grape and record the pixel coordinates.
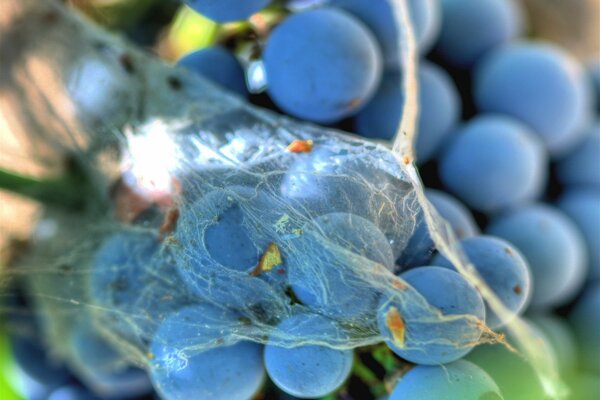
(398, 284)
(407, 160)
(396, 325)
(270, 259)
(170, 221)
(301, 146)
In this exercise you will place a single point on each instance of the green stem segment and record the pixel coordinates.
(64, 192)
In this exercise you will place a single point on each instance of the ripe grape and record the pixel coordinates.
(218, 65)
(328, 262)
(470, 28)
(420, 248)
(439, 110)
(459, 380)
(583, 207)
(430, 340)
(322, 65)
(307, 370)
(494, 162)
(378, 15)
(503, 269)
(227, 10)
(540, 85)
(181, 369)
(553, 247)
(581, 165)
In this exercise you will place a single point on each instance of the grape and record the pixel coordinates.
(131, 281)
(553, 247)
(561, 338)
(439, 110)
(218, 65)
(460, 380)
(378, 15)
(322, 65)
(335, 248)
(334, 180)
(470, 28)
(583, 207)
(538, 84)
(585, 319)
(454, 212)
(580, 166)
(429, 340)
(307, 370)
(227, 10)
(503, 269)
(181, 369)
(101, 367)
(494, 162)
(420, 248)
(72, 392)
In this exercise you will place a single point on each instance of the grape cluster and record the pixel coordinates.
(275, 267)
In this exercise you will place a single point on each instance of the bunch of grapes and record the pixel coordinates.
(241, 255)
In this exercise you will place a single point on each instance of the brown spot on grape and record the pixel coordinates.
(395, 323)
(127, 63)
(300, 146)
(517, 289)
(174, 82)
(508, 251)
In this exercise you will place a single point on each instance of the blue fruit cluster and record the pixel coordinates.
(263, 274)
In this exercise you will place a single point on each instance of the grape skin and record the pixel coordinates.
(553, 247)
(439, 110)
(471, 28)
(504, 270)
(378, 15)
(585, 319)
(181, 371)
(218, 65)
(437, 341)
(583, 207)
(307, 371)
(459, 380)
(540, 85)
(494, 162)
(581, 166)
(324, 73)
(227, 10)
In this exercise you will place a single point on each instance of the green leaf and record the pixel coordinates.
(6, 366)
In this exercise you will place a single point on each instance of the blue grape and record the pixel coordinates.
(494, 162)
(220, 239)
(218, 65)
(470, 28)
(227, 10)
(326, 262)
(322, 65)
(181, 369)
(460, 380)
(100, 366)
(454, 212)
(583, 207)
(561, 337)
(378, 16)
(553, 247)
(585, 319)
(132, 282)
(503, 269)
(540, 85)
(307, 370)
(439, 110)
(430, 340)
(581, 166)
(420, 247)
(72, 392)
(335, 180)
